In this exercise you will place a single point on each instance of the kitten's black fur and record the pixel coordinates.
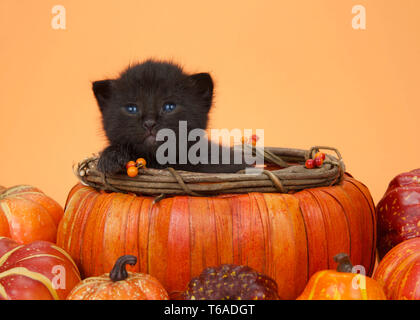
(149, 86)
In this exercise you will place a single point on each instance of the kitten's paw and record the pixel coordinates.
(112, 161)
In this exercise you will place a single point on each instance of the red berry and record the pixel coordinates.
(320, 154)
(130, 164)
(132, 172)
(254, 139)
(310, 163)
(140, 162)
(318, 161)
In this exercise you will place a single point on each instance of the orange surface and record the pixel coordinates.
(297, 69)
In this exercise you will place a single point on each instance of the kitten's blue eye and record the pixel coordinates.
(131, 108)
(169, 107)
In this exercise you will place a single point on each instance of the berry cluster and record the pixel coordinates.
(252, 140)
(317, 161)
(133, 167)
(231, 282)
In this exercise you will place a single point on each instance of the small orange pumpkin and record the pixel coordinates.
(399, 271)
(120, 285)
(342, 284)
(27, 214)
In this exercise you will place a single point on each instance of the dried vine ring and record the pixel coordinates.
(231, 282)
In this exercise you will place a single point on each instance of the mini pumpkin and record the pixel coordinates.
(36, 271)
(27, 214)
(399, 271)
(342, 284)
(120, 285)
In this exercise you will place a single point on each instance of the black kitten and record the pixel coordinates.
(148, 97)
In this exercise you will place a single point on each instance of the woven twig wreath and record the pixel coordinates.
(293, 176)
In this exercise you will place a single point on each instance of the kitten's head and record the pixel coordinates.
(151, 96)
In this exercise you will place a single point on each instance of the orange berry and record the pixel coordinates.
(140, 162)
(320, 154)
(130, 164)
(132, 172)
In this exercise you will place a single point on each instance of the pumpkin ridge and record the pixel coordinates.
(400, 270)
(327, 236)
(106, 208)
(137, 213)
(362, 239)
(142, 206)
(333, 196)
(406, 273)
(307, 240)
(8, 191)
(369, 201)
(125, 211)
(70, 207)
(63, 252)
(38, 256)
(131, 239)
(210, 205)
(263, 210)
(149, 222)
(87, 247)
(87, 203)
(264, 235)
(6, 256)
(366, 195)
(311, 210)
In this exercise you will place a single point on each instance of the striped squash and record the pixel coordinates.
(36, 271)
(399, 271)
(288, 237)
(27, 214)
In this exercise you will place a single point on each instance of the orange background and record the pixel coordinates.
(297, 69)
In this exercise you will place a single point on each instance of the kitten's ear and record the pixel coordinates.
(102, 90)
(202, 84)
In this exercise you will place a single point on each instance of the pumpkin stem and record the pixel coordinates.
(119, 272)
(344, 263)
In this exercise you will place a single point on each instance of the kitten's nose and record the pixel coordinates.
(149, 124)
